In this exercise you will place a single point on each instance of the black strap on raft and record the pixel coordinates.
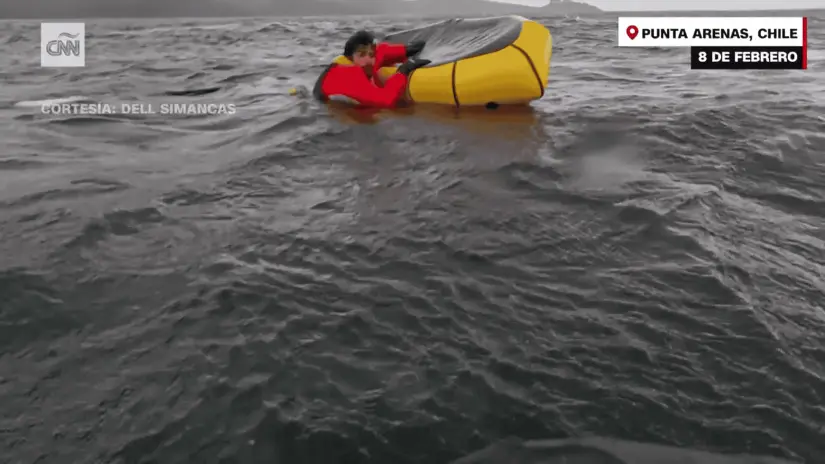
(316, 91)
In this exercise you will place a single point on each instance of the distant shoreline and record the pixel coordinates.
(107, 9)
(716, 12)
(688, 13)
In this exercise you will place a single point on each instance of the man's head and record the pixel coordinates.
(360, 49)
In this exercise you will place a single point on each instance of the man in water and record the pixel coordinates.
(354, 77)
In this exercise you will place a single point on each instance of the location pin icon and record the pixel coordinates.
(632, 32)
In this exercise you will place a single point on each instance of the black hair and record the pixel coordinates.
(359, 39)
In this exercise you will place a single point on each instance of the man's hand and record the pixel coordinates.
(414, 48)
(411, 65)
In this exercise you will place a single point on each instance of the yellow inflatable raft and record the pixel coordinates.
(499, 61)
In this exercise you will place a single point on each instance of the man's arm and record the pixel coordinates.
(351, 82)
(388, 54)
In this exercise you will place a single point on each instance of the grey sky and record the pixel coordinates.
(54, 9)
(629, 5)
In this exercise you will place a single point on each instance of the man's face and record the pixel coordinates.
(364, 57)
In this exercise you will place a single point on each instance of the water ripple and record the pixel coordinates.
(637, 255)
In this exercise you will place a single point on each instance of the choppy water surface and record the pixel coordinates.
(639, 256)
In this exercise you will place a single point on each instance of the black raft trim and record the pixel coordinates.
(455, 93)
(532, 66)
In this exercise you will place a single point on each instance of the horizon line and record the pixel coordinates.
(601, 13)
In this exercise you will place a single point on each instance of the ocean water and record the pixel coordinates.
(638, 255)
